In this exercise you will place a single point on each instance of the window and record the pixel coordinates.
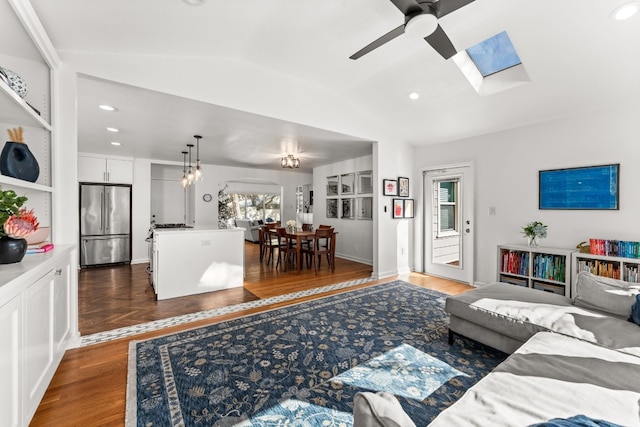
(447, 211)
(494, 54)
(255, 206)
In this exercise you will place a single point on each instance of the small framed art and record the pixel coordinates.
(403, 187)
(408, 208)
(398, 208)
(389, 187)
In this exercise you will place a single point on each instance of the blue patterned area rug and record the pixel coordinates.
(301, 365)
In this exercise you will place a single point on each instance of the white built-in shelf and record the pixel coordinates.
(16, 111)
(545, 269)
(7, 180)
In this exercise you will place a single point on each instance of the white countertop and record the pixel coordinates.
(196, 229)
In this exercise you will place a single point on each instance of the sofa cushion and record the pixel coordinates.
(520, 313)
(603, 294)
(552, 376)
(380, 409)
(511, 310)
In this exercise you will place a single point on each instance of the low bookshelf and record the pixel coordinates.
(626, 269)
(544, 269)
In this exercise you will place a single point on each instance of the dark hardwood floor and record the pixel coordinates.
(115, 297)
(89, 387)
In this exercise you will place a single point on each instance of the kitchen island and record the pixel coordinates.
(190, 261)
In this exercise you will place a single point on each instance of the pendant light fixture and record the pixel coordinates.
(199, 173)
(184, 181)
(191, 177)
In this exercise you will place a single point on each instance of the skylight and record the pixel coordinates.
(494, 54)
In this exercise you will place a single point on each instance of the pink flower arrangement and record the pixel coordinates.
(21, 224)
(17, 222)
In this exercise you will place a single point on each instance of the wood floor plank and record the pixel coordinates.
(89, 387)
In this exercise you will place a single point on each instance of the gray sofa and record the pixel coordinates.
(570, 357)
(251, 229)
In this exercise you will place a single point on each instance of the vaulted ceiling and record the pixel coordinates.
(577, 57)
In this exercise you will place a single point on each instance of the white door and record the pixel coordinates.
(448, 223)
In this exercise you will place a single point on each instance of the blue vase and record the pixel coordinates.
(17, 161)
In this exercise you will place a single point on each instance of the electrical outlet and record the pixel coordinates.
(205, 242)
(492, 210)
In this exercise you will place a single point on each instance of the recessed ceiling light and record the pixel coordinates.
(115, 143)
(625, 11)
(113, 129)
(106, 107)
(195, 2)
(414, 95)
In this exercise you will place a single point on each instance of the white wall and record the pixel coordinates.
(394, 243)
(355, 236)
(507, 165)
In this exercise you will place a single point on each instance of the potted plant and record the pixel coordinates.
(534, 231)
(17, 223)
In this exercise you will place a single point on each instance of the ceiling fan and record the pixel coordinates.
(421, 20)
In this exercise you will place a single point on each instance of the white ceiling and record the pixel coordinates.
(577, 58)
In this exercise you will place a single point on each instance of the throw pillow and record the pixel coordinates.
(380, 409)
(604, 294)
(635, 311)
(576, 421)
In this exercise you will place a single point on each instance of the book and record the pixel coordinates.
(44, 248)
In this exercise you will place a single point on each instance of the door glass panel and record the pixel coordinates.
(446, 243)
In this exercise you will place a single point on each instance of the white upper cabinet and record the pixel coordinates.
(100, 169)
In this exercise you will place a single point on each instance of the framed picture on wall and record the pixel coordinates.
(398, 208)
(332, 208)
(408, 208)
(389, 187)
(403, 187)
(590, 187)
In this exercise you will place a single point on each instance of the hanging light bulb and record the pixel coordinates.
(184, 181)
(191, 177)
(199, 173)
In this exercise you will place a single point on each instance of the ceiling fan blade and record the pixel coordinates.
(407, 7)
(376, 44)
(444, 7)
(441, 43)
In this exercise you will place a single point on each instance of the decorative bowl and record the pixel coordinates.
(38, 236)
(15, 82)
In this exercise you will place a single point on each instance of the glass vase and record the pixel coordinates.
(532, 241)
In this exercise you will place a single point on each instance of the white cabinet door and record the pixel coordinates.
(119, 171)
(92, 169)
(38, 340)
(98, 169)
(62, 306)
(11, 363)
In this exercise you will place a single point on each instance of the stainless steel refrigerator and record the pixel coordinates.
(105, 224)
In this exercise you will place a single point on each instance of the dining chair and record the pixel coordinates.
(286, 246)
(262, 241)
(272, 243)
(319, 249)
(307, 227)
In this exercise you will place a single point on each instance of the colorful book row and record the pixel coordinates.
(600, 268)
(515, 263)
(621, 248)
(550, 267)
